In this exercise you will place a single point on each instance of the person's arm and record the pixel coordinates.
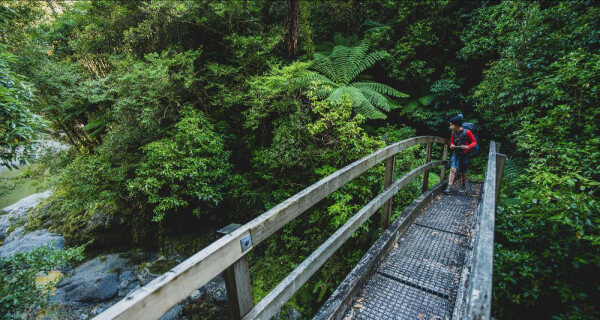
(471, 138)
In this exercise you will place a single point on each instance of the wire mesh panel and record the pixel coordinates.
(380, 299)
(419, 278)
(427, 259)
(452, 213)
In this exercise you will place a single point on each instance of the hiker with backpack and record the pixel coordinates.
(463, 144)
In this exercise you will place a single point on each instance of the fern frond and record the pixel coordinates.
(340, 67)
(324, 65)
(412, 109)
(363, 62)
(338, 93)
(339, 56)
(360, 102)
(323, 93)
(307, 80)
(358, 59)
(381, 88)
(369, 111)
(350, 60)
(395, 105)
(376, 98)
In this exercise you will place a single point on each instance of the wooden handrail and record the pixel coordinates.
(479, 292)
(270, 304)
(164, 292)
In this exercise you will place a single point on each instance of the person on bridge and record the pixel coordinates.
(461, 142)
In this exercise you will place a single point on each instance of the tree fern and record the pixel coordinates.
(336, 74)
(381, 88)
(377, 99)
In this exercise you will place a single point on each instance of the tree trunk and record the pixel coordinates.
(292, 27)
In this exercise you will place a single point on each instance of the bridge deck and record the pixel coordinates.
(419, 278)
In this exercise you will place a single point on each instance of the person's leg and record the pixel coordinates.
(453, 168)
(451, 176)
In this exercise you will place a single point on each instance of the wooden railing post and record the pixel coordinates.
(426, 174)
(386, 212)
(237, 283)
(444, 157)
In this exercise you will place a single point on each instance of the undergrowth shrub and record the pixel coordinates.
(20, 297)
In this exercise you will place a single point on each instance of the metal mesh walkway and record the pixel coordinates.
(419, 278)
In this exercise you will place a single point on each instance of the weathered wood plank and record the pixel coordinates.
(267, 307)
(160, 295)
(386, 212)
(480, 285)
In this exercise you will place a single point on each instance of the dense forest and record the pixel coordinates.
(185, 116)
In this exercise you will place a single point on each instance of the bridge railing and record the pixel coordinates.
(227, 255)
(479, 292)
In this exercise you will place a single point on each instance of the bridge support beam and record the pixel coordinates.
(426, 174)
(386, 212)
(237, 283)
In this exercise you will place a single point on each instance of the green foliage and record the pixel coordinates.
(422, 39)
(340, 132)
(19, 295)
(20, 128)
(268, 94)
(186, 169)
(541, 94)
(335, 138)
(512, 90)
(337, 76)
(89, 184)
(344, 141)
(178, 108)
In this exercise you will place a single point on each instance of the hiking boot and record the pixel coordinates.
(448, 189)
(462, 189)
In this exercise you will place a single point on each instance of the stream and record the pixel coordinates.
(13, 189)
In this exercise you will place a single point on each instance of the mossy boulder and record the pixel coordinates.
(94, 281)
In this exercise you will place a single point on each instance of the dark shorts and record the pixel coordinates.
(460, 161)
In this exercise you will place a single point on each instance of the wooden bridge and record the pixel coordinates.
(433, 262)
